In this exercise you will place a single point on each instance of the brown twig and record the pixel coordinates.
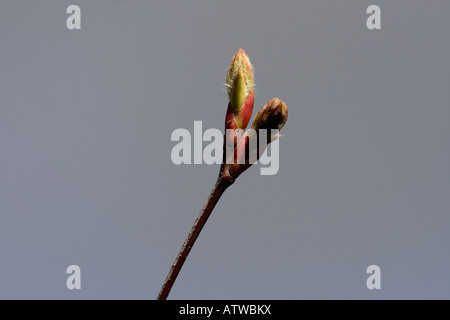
(223, 182)
(241, 98)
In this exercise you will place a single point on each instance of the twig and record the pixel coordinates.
(219, 188)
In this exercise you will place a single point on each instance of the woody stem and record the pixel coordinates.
(219, 188)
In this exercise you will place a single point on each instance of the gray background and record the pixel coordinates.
(86, 176)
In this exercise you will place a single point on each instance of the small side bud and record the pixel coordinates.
(272, 116)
